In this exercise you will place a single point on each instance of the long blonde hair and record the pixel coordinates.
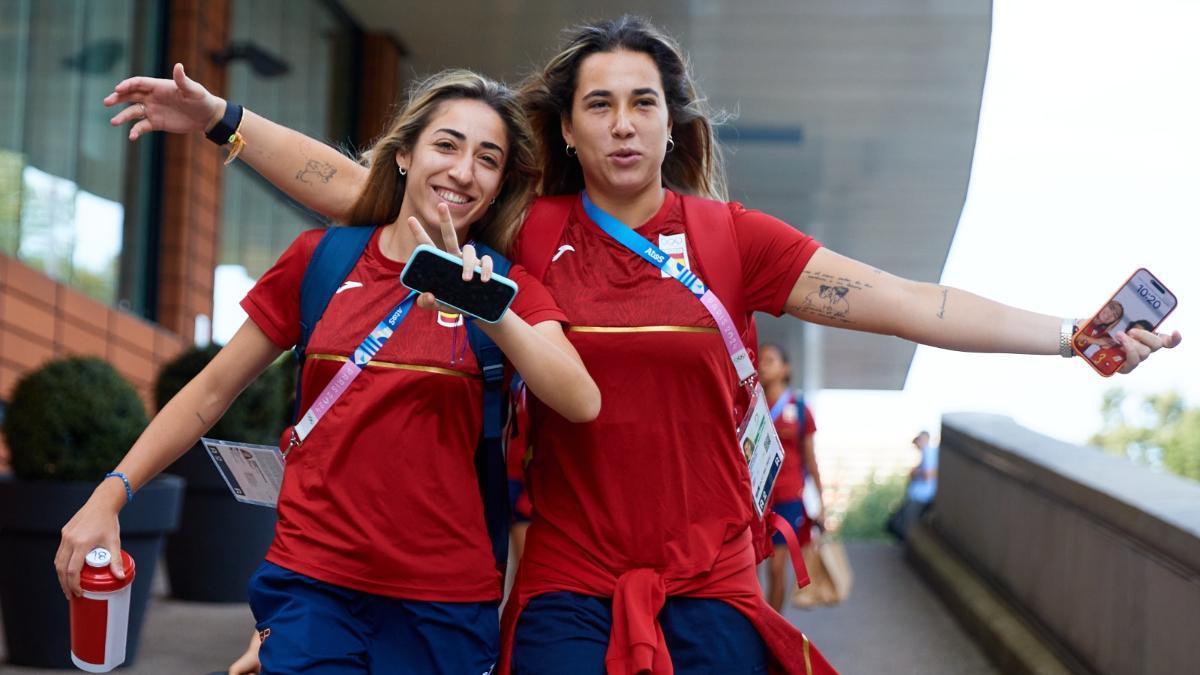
(694, 166)
(383, 195)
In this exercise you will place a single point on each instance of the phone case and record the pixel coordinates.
(468, 297)
(1141, 302)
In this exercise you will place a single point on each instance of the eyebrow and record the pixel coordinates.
(603, 93)
(462, 137)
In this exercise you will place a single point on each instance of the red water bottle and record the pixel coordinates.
(100, 617)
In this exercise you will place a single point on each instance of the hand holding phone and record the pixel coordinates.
(431, 270)
(1141, 302)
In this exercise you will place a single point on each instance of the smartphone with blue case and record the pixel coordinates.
(432, 270)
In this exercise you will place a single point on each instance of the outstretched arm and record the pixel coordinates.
(312, 173)
(175, 429)
(838, 291)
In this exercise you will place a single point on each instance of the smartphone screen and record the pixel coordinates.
(1141, 302)
(429, 271)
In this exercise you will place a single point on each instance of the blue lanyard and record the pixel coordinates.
(678, 271)
(374, 342)
(780, 404)
(354, 365)
(643, 247)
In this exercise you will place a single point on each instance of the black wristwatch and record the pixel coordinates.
(223, 131)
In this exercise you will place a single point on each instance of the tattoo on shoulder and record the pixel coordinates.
(316, 171)
(942, 310)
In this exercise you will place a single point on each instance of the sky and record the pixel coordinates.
(1086, 167)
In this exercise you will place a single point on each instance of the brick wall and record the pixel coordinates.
(191, 219)
(41, 319)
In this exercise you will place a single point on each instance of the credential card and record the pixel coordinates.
(254, 473)
(760, 445)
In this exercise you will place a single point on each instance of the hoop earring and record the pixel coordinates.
(570, 151)
(670, 143)
(403, 171)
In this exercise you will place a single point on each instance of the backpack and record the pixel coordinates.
(712, 235)
(332, 261)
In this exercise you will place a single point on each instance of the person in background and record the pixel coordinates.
(922, 480)
(796, 427)
(922, 486)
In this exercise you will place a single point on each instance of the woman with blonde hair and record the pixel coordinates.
(381, 560)
(642, 550)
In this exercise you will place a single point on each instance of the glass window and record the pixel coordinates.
(68, 205)
(315, 43)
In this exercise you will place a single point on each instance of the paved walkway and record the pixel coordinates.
(891, 623)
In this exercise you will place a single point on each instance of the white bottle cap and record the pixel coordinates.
(98, 557)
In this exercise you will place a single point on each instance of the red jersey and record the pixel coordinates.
(790, 483)
(655, 492)
(382, 497)
(1115, 354)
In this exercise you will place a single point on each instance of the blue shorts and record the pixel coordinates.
(323, 629)
(568, 633)
(793, 512)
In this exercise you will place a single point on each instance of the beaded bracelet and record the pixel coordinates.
(125, 480)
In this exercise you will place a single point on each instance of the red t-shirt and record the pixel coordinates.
(790, 483)
(382, 496)
(1115, 354)
(657, 480)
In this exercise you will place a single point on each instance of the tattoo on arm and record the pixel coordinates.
(831, 299)
(316, 171)
(942, 311)
(201, 418)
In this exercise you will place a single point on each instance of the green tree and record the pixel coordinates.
(1166, 435)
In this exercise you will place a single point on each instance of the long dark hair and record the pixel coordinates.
(694, 166)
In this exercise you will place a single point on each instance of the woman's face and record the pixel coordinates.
(619, 123)
(771, 367)
(1109, 314)
(458, 159)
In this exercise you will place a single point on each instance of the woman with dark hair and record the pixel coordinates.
(641, 554)
(795, 425)
(343, 589)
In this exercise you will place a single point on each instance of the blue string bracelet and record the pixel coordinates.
(125, 480)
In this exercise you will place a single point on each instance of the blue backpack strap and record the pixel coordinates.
(336, 254)
(491, 466)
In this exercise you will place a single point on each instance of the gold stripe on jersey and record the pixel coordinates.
(641, 329)
(399, 366)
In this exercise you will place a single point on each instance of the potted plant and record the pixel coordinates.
(70, 422)
(213, 521)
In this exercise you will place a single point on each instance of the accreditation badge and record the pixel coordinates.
(759, 443)
(254, 473)
(675, 246)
